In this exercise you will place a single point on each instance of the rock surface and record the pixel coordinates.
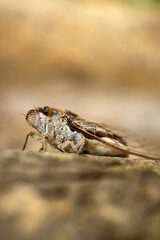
(65, 196)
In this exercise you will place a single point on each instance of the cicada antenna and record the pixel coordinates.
(35, 107)
(22, 114)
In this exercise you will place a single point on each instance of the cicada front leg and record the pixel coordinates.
(44, 142)
(69, 146)
(38, 138)
(32, 134)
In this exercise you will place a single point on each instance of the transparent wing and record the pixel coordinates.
(138, 145)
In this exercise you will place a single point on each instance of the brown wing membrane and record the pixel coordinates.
(123, 140)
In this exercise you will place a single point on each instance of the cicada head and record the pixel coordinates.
(37, 117)
(32, 117)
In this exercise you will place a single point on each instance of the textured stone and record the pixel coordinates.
(65, 196)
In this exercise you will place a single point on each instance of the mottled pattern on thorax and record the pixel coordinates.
(63, 133)
(58, 130)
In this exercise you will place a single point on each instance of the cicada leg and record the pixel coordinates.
(37, 137)
(69, 146)
(44, 143)
(32, 134)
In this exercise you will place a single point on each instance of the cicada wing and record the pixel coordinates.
(115, 137)
(138, 145)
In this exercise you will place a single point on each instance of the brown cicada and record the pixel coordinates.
(66, 131)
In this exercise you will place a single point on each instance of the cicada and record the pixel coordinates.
(68, 132)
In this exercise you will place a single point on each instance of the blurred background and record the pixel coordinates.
(98, 58)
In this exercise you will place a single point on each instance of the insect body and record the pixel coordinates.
(68, 132)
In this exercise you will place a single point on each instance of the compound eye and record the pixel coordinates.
(45, 110)
(48, 111)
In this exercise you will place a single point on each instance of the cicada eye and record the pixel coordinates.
(48, 111)
(45, 110)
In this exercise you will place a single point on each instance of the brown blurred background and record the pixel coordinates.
(100, 59)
